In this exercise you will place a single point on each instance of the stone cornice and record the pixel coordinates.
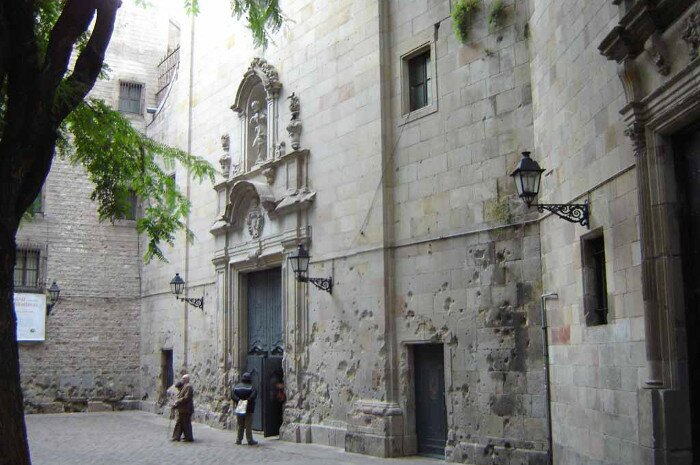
(638, 24)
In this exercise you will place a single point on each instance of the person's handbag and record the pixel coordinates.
(241, 408)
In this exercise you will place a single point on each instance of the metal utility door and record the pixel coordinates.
(431, 417)
(686, 149)
(265, 346)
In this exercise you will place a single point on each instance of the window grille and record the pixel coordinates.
(27, 269)
(130, 97)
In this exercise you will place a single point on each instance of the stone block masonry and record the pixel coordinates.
(90, 358)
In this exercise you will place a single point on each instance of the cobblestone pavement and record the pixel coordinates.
(141, 438)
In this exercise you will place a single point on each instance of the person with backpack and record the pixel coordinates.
(244, 395)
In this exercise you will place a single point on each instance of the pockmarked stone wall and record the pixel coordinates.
(467, 259)
(337, 78)
(90, 358)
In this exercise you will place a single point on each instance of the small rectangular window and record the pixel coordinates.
(167, 373)
(130, 97)
(133, 206)
(419, 80)
(27, 267)
(595, 287)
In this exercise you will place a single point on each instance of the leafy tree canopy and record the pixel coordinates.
(121, 161)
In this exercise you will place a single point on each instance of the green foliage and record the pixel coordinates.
(497, 13)
(499, 210)
(462, 18)
(120, 160)
(264, 17)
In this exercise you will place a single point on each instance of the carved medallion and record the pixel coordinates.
(255, 221)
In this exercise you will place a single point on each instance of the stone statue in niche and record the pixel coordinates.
(259, 122)
(294, 126)
(255, 220)
(280, 150)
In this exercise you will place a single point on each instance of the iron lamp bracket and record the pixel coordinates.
(325, 284)
(199, 303)
(571, 212)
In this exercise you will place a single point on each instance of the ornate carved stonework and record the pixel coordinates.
(657, 52)
(225, 160)
(269, 174)
(636, 133)
(691, 33)
(280, 150)
(273, 84)
(294, 126)
(258, 120)
(255, 220)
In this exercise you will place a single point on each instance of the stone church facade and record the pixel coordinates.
(368, 134)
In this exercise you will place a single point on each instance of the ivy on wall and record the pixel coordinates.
(462, 12)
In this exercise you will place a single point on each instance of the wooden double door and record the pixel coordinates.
(266, 348)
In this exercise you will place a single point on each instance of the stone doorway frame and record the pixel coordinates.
(664, 421)
(407, 401)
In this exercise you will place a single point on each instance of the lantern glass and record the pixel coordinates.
(177, 285)
(527, 178)
(54, 292)
(300, 261)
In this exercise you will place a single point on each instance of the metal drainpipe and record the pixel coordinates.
(190, 101)
(545, 352)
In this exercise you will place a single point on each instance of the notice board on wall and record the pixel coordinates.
(31, 316)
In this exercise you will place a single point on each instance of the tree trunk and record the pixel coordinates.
(14, 449)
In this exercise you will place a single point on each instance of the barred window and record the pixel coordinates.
(27, 269)
(130, 97)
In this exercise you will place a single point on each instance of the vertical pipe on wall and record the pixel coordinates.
(190, 99)
(545, 353)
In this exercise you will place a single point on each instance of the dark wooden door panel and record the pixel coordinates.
(265, 346)
(687, 160)
(431, 418)
(272, 378)
(255, 368)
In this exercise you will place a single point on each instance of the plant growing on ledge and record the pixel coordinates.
(497, 14)
(462, 18)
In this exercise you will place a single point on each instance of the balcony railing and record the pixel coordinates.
(166, 71)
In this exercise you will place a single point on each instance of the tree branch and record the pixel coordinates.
(89, 63)
(73, 22)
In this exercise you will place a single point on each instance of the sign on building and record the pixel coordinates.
(31, 316)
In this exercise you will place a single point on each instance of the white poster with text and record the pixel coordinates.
(31, 316)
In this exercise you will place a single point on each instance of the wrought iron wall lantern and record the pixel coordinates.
(527, 176)
(54, 294)
(300, 265)
(177, 285)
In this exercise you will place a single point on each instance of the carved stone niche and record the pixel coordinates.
(257, 107)
(244, 207)
(269, 174)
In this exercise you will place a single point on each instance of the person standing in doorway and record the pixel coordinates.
(185, 408)
(244, 392)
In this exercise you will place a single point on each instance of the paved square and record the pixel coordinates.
(140, 438)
